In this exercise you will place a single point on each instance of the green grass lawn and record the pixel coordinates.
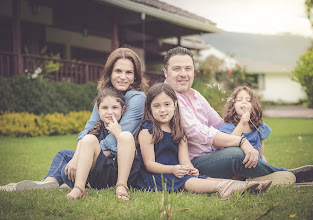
(30, 158)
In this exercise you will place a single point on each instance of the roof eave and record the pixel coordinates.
(164, 15)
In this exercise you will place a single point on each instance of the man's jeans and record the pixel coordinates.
(227, 162)
(58, 165)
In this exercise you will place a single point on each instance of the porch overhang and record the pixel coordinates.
(163, 15)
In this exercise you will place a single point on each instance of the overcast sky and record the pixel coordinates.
(251, 16)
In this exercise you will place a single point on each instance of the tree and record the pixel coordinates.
(303, 73)
(309, 10)
(309, 14)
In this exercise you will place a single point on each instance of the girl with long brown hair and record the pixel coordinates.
(243, 117)
(164, 151)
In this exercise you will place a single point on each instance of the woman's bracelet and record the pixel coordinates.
(243, 139)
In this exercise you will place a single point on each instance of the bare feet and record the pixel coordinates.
(76, 193)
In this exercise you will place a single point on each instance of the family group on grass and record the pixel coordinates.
(170, 134)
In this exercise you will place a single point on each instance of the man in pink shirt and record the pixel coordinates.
(236, 157)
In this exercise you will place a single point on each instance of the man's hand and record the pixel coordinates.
(252, 155)
(70, 169)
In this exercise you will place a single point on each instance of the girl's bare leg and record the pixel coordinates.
(125, 157)
(209, 185)
(87, 156)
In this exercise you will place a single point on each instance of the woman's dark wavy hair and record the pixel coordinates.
(175, 123)
(105, 93)
(229, 113)
(140, 82)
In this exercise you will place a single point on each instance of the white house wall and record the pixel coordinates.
(279, 87)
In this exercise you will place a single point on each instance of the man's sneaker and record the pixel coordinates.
(277, 178)
(303, 174)
(31, 185)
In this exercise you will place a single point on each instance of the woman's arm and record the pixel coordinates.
(148, 156)
(130, 120)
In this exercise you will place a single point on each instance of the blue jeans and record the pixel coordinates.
(227, 162)
(58, 165)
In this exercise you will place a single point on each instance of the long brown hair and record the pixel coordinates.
(229, 113)
(175, 122)
(105, 93)
(140, 82)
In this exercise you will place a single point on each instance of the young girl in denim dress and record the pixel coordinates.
(243, 117)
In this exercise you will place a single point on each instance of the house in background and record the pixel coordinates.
(271, 58)
(84, 32)
(274, 82)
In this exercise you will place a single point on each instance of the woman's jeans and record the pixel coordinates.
(227, 162)
(58, 165)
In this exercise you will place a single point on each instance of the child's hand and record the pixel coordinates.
(245, 118)
(180, 170)
(70, 169)
(193, 172)
(114, 127)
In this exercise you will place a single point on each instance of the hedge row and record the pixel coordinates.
(30, 125)
(37, 96)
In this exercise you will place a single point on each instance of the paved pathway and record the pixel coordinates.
(288, 111)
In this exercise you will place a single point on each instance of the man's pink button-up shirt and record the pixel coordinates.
(200, 122)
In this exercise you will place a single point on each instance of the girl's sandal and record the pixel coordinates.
(237, 186)
(264, 185)
(81, 196)
(122, 195)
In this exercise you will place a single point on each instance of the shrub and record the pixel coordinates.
(213, 92)
(29, 125)
(303, 73)
(234, 78)
(20, 94)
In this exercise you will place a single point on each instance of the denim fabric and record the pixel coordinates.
(254, 137)
(58, 164)
(227, 162)
(130, 121)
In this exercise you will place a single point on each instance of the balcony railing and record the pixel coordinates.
(55, 69)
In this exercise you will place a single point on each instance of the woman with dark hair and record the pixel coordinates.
(123, 71)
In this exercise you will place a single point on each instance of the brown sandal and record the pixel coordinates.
(82, 194)
(121, 194)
